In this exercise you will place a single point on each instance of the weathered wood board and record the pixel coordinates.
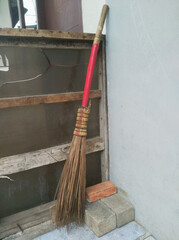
(8, 32)
(42, 99)
(27, 224)
(27, 161)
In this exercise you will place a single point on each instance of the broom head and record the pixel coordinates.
(70, 192)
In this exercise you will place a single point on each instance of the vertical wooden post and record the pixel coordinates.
(103, 113)
(40, 11)
(20, 6)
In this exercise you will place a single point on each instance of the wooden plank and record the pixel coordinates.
(103, 112)
(26, 161)
(33, 232)
(20, 224)
(45, 43)
(8, 32)
(48, 98)
(45, 39)
(100, 190)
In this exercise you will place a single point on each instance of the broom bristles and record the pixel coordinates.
(70, 192)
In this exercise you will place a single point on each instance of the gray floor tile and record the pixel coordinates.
(77, 233)
(54, 235)
(130, 231)
(150, 238)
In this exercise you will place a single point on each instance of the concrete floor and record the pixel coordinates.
(131, 231)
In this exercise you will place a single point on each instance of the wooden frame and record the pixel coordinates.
(17, 226)
(28, 33)
(26, 161)
(104, 115)
(48, 98)
(27, 224)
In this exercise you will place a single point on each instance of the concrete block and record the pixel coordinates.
(122, 208)
(100, 218)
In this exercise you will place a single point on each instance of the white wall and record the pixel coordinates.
(5, 20)
(143, 91)
(91, 11)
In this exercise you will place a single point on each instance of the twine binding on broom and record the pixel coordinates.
(81, 121)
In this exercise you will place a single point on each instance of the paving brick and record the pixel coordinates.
(122, 208)
(100, 218)
(100, 190)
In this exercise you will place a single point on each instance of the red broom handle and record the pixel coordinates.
(93, 55)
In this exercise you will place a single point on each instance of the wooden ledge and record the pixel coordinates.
(8, 32)
(46, 98)
(27, 224)
(26, 161)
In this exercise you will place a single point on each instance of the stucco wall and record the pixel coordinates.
(91, 11)
(143, 95)
(5, 19)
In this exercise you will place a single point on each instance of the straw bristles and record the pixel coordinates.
(70, 191)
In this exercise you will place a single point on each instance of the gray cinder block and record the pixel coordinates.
(100, 218)
(123, 209)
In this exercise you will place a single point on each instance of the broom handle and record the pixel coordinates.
(93, 55)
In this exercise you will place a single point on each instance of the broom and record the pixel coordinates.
(70, 192)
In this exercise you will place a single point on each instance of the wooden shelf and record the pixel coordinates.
(37, 221)
(26, 161)
(46, 39)
(46, 98)
(27, 224)
(9, 32)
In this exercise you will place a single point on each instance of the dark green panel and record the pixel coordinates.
(26, 129)
(34, 71)
(30, 128)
